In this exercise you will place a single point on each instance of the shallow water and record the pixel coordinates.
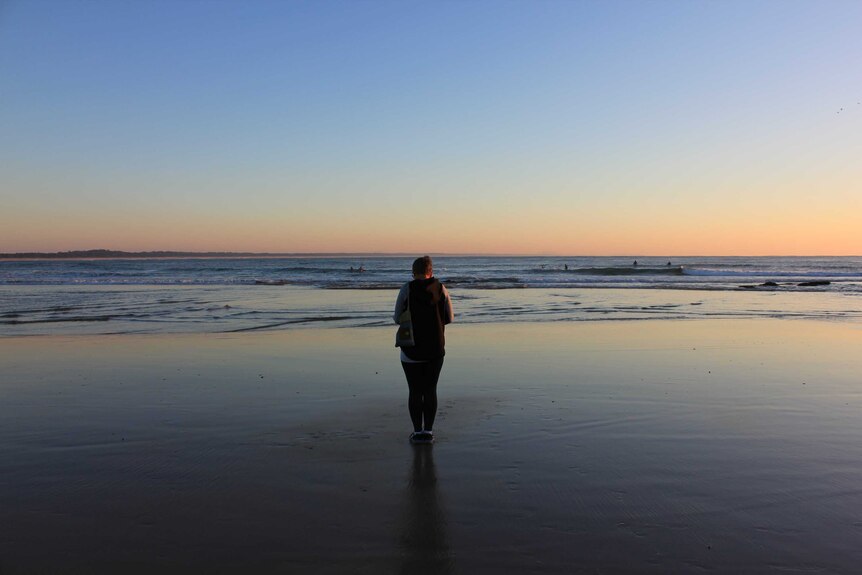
(100, 309)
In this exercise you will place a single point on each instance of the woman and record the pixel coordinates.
(430, 310)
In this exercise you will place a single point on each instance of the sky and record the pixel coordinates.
(530, 127)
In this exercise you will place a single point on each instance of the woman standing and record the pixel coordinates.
(430, 310)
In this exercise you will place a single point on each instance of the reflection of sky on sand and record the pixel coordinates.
(665, 447)
(422, 526)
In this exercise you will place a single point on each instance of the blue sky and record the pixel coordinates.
(552, 127)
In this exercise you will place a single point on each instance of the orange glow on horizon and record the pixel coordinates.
(521, 235)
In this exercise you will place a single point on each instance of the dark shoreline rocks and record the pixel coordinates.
(776, 284)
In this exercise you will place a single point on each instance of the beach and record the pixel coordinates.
(645, 216)
(652, 446)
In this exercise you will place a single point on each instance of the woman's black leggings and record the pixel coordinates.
(422, 381)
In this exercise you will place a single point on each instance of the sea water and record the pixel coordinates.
(144, 295)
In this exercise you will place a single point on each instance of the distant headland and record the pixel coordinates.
(116, 254)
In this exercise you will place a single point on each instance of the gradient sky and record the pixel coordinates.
(580, 128)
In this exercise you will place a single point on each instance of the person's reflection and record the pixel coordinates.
(422, 529)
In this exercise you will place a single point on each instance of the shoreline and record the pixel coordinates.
(81, 310)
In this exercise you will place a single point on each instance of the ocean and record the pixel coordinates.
(140, 295)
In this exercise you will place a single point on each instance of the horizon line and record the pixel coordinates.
(102, 253)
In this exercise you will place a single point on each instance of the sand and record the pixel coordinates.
(727, 446)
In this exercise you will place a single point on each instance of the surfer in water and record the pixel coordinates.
(430, 309)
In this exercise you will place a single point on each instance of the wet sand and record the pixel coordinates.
(726, 446)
